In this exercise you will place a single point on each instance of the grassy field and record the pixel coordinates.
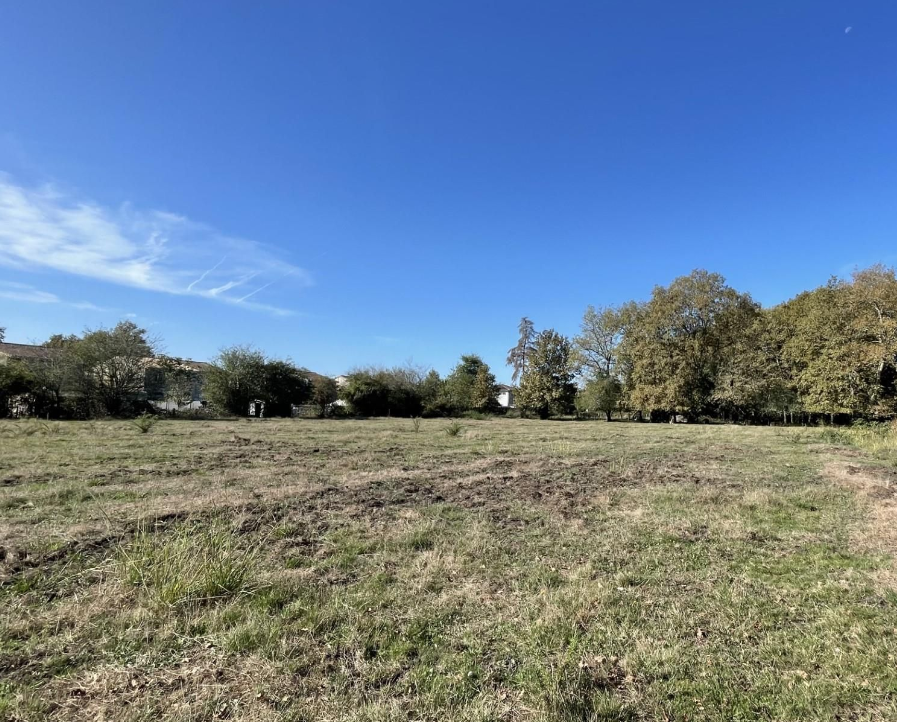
(518, 570)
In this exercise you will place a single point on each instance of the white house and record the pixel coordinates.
(505, 396)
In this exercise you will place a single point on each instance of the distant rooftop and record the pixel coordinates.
(26, 351)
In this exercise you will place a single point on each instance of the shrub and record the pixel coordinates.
(475, 415)
(454, 428)
(382, 392)
(144, 422)
(197, 414)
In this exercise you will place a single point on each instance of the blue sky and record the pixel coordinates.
(349, 183)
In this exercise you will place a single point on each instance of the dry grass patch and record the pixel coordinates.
(520, 570)
(876, 532)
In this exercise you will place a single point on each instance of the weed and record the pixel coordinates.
(620, 465)
(454, 428)
(415, 423)
(144, 422)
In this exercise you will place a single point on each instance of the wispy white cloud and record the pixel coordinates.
(43, 228)
(88, 306)
(26, 293)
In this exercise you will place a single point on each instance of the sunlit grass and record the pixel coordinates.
(519, 570)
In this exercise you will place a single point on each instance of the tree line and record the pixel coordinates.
(696, 348)
(410, 390)
(122, 372)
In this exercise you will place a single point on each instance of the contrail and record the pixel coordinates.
(190, 287)
(276, 280)
(230, 284)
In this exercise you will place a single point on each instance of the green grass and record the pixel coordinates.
(880, 439)
(191, 564)
(521, 570)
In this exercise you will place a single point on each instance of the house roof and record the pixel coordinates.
(26, 351)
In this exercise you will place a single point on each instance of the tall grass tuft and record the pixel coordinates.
(188, 565)
(32, 427)
(415, 422)
(454, 428)
(145, 422)
(878, 438)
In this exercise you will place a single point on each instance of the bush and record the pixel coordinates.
(15, 380)
(199, 414)
(145, 422)
(383, 392)
(240, 375)
(476, 415)
(454, 428)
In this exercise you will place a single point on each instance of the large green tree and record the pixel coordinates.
(56, 375)
(598, 343)
(284, 385)
(600, 394)
(432, 394)
(240, 375)
(484, 396)
(677, 343)
(460, 389)
(755, 380)
(108, 366)
(841, 344)
(547, 386)
(235, 378)
(873, 303)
